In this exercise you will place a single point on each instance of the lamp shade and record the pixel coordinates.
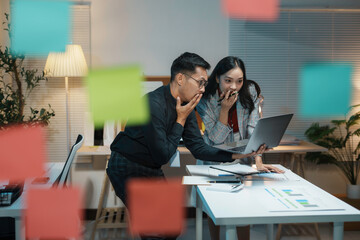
(71, 63)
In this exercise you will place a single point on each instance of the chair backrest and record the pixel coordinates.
(61, 180)
(261, 97)
(149, 86)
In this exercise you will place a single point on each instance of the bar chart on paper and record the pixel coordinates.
(290, 199)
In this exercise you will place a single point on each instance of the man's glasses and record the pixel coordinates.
(202, 83)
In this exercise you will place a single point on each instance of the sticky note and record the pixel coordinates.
(53, 213)
(23, 152)
(116, 94)
(325, 89)
(156, 207)
(256, 10)
(40, 26)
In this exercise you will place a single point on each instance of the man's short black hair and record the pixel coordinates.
(187, 62)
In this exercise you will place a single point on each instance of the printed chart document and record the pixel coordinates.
(295, 199)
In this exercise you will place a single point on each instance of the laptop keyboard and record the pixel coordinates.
(238, 149)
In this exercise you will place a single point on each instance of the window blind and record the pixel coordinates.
(275, 52)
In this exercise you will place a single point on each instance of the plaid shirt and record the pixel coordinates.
(218, 133)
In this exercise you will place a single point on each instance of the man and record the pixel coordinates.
(140, 151)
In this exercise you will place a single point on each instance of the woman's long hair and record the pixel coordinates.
(225, 65)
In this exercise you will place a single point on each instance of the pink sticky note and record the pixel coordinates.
(22, 153)
(257, 10)
(156, 207)
(53, 213)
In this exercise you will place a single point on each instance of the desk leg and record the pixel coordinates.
(270, 231)
(292, 164)
(199, 219)
(338, 231)
(19, 229)
(231, 232)
(302, 164)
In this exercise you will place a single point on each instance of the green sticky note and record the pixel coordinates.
(39, 26)
(325, 89)
(116, 94)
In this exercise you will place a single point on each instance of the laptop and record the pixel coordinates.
(268, 131)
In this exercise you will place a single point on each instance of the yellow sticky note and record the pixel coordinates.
(116, 94)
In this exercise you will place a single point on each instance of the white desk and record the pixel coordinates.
(94, 151)
(248, 207)
(15, 209)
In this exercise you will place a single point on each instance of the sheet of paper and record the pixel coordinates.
(203, 180)
(230, 188)
(195, 180)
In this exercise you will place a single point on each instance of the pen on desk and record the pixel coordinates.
(234, 181)
(229, 96)
(224, 170)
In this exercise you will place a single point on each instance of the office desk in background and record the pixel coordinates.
(248, 206)
(15, 209)
(292, 154)
(94, 151)
(295, 155)
(304, 146)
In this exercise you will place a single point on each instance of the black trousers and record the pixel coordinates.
(120, 170)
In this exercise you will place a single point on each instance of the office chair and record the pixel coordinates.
(60, 182)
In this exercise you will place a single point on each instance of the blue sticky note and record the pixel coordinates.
(39, 26)
(325, 89)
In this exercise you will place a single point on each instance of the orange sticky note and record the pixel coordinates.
(257, 10)
(22, 152)
(156, 207)
(53, 213)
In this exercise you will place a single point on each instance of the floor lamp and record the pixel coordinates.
(70, 63)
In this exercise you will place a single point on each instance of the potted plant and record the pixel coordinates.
(16, 85)
(341, 139)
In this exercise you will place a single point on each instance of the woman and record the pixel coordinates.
(229, 109)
